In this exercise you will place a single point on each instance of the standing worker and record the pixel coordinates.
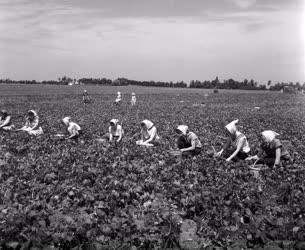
(86, 98)
(118, 99)
(133, 99)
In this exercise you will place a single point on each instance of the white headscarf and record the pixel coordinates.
(66, 120)
(114, 121)
(183, 129)
(133, 93)
(231, 127)
(269, 135)
(33, 112)
(148, 124)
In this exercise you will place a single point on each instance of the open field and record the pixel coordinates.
(62, 194)
(40, 89)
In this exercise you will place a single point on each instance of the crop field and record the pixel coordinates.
(60, 194)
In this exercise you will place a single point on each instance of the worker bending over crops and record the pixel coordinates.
(115, 131)
(32, 124)
(118, 99)
(237, 147)
(5, 121)
(74, 129)
(133, 99)
(188, 142)
(149, 135)
(272, 151)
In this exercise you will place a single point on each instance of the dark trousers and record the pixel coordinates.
(269, 161)
(181, 143)
(240, 155)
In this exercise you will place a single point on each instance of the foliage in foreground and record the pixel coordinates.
(57, 194)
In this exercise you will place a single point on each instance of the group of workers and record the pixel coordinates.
(118, 100)
(272, 152)
(32, 126)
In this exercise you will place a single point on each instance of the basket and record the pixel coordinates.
(59, 135)
(211, 152)
(100, 140)
(140, 143)
(258, 167)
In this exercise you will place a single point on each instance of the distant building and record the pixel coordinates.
(75, 82)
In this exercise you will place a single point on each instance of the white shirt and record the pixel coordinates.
(73, 127)
(117, 132)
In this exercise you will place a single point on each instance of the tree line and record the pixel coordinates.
(207, 84)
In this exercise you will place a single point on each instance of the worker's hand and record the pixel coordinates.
(218, 154)
(252, 158)
(228, 159)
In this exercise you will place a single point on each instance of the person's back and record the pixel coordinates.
(116, 131)
(270, 148)
(240, 137)
(73, 127)
(147, 133)
(193, 137)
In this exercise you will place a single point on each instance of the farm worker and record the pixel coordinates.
(74, 129)
(272, 151)
(115, 131)
(5, 120)
(85, 97)
(238, 141)
(118, 99)
(133, 99)
(188, 142)
(148, 133)
(32, 124)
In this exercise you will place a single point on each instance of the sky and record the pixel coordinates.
(160, 40)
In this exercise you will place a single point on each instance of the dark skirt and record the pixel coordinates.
(181, 143)
(240, 155)
(269, 161)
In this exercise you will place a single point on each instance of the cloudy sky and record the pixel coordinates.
(153, 39)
